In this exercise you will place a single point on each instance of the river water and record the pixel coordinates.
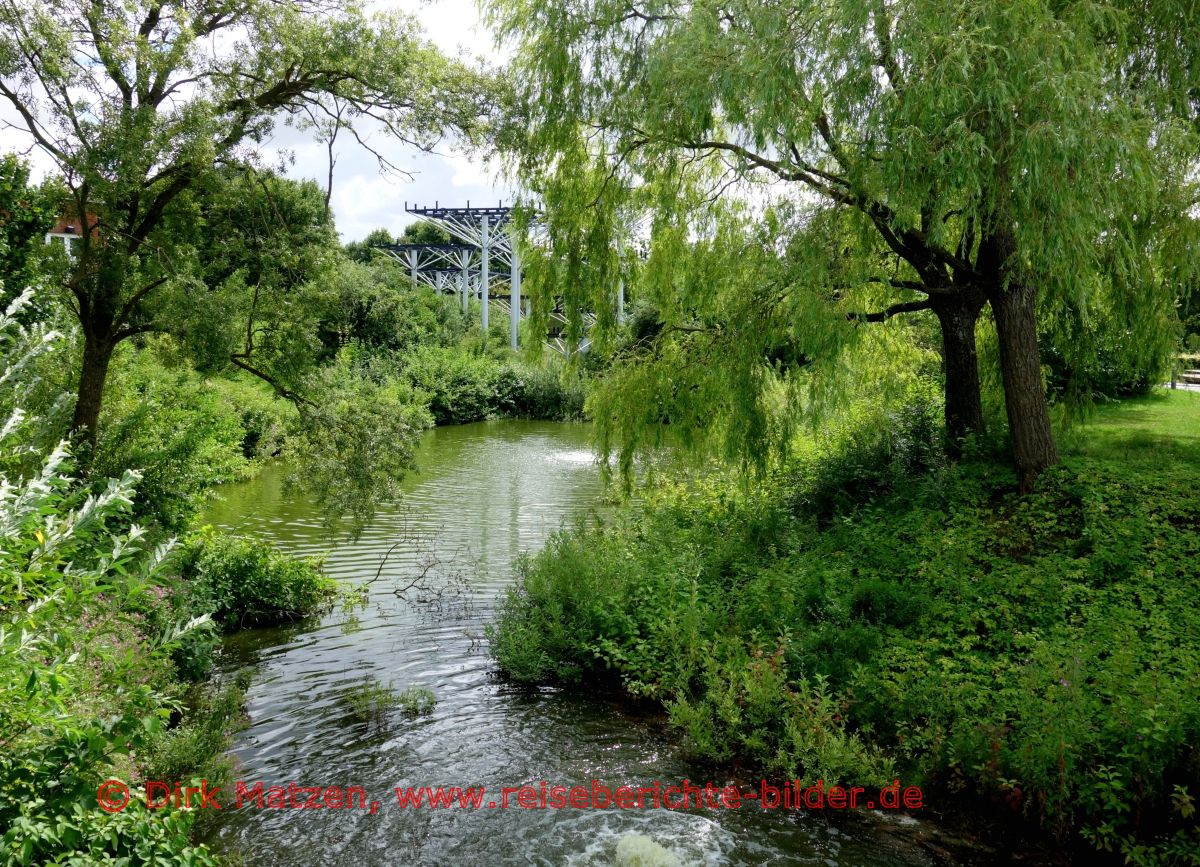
(484, 493)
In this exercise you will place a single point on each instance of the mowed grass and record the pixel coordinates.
(1158, 430)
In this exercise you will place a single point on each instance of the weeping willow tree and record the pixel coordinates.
(900, 159)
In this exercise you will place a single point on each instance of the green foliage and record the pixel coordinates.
(868, 450)
(362, 252)
(80, 836)
(423, 232)
(26, 214)
(176, 429)
(33, 406)
(370, 701)
(548, 390)
(184, 432)
(463, 386)
(195, 749)
(147, 110)
(1030, 652)
(265, 251)
(1097, 358)
(83, 681)
(353, 445)
(242, 582)
(771, 176)
(377, 307)
(263, 416)
(416, 700)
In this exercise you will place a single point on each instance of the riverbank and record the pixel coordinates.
(103, 665)
(871, 614)
(188, 432)
(486, 493)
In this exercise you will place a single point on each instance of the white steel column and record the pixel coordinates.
(463, 278)
(439, 280)
(484, 280)
(620, 302)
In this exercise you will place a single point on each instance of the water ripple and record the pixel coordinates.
(485, 493)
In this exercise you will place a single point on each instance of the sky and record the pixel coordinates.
(363, 199)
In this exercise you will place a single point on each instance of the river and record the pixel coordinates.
(484, 493)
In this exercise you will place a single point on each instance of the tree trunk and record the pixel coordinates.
(957, 315)
(1014, 307)
(97, 353)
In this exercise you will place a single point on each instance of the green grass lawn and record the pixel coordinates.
(1160, 429)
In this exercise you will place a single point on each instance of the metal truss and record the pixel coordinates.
(467, 267)
(484, 234)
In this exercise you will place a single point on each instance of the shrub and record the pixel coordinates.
(1034, 651)
(546, 391)
(416, 700)
(369, 701)
(83, 682)
(461, 387)
(173, 427)
(85, 636)
(243, 581)
(263, 416)
(378, 307)
(195, 748)
(870, 451)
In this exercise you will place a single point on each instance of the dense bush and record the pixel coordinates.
(185, 433)
(463, 386)
(377, 308)
(195, 748)
(547, 391)
(173, 428)
(1037, 652)
(90, 625)
(84, 682)
(263, 417)
(243, 582)
(869, 450)
(1106, 374)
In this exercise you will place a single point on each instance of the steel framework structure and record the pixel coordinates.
(483, 238)
(488, 232)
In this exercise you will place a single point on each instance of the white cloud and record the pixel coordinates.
(362, 199)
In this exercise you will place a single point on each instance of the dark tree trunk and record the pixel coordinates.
(957, 315)
(1014, 307)
(97, 353)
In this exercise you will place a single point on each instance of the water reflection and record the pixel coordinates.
(484, 493)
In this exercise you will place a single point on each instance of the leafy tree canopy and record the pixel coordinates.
(138, 103)
(27, 212)
(895, 157)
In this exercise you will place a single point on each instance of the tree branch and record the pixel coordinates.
(894, 310)
(239, 359)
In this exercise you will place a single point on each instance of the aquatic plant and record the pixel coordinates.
(369, 701)
(416, 700)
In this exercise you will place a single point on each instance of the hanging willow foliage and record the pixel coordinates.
(786, 175)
